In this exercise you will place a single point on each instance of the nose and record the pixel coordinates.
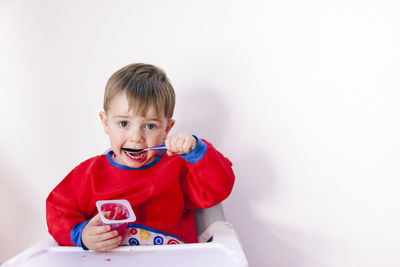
(136, 135)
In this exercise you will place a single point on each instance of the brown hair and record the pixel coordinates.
(144, 85)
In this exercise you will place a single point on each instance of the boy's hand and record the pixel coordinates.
(99, 237)
(180, 143)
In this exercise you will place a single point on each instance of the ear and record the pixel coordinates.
(170, 124)
(104, 120)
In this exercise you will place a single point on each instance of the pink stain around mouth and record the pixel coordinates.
(108, 259)
(142, 157)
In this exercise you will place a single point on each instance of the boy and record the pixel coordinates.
(163, 189)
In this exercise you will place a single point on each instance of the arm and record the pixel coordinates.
(62, 208)
(67, 217)
(208, 177)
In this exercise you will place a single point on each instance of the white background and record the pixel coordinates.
(302, 96)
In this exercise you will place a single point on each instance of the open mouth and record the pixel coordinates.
(135, 153)
(132, 150)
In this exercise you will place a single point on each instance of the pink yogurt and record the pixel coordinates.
(115, 213)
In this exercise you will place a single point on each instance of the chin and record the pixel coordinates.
(139, 164)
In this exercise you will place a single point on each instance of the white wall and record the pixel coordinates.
(302, 96)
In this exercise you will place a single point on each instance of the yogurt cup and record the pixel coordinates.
(115, 213)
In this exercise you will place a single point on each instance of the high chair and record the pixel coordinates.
(218, 246)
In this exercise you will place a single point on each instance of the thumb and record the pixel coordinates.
(95, 220)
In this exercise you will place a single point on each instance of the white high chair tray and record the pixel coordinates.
(225, 250)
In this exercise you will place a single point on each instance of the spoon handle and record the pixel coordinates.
(158, 147)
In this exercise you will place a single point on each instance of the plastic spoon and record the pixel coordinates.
(163, 147)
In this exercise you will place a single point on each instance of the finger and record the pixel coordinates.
(96, 230)
(170, 153)
(170, 144)
(107, 244)
(105, 236)
(187, 146)
(95, 220)
(179, 145)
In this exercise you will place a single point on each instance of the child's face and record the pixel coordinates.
(127, 130)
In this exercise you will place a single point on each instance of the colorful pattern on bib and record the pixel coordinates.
(138, 235)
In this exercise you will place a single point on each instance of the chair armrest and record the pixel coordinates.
(206, 217)
(224, 235)
(209, 233)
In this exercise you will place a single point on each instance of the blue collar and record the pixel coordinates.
(111, 160)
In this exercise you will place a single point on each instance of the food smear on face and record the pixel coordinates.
(137, 156)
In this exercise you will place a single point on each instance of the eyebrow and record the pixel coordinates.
(154, 119)
(121, 117)
(128, 117)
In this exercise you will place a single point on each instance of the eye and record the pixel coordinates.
(123, 124)
(150, 126)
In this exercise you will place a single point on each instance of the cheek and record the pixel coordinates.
(154, 135)
(154, 140)
(115, 139)
(162, 136)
